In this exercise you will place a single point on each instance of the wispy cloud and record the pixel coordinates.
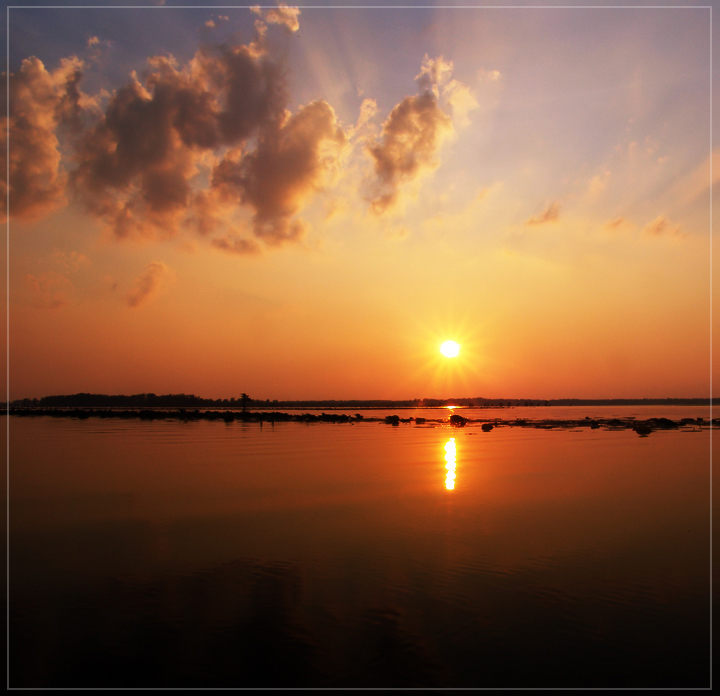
(549, 214)
(616, 223)
(71, 261)
(148, 284)
(236, 245)
(661, 226)
(49, 290)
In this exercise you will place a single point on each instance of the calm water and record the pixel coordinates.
(528, 412)
(206, 554)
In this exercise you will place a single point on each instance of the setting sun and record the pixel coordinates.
(450, 349)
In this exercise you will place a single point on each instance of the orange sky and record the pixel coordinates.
(306, 204)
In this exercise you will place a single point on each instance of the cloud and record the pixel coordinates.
(598, 184)
(293, 159)
(492, 75)
(411, 137)
(148, 284)
(49, 290)
(409, 142)
(135, 166)
(413, 133)
(550, 214)
(287, 16)
(94, 48)
(41, 102)
(615, 223)
(209, 211)
(459, 97)
(660, 226)
(284, 15)
(236, 245)
(71, 261)
(209, 145)
(434, 72)
(485, 191)
(368, 109)
(698, 182)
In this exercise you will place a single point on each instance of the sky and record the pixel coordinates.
(305, 202)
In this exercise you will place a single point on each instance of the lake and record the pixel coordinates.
(205, 554)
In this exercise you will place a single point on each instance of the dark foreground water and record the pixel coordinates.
(205, 554)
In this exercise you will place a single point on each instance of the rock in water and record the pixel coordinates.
(642, 429)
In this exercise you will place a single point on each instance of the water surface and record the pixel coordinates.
(206, 554)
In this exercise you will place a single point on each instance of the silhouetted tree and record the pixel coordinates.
(244, 398)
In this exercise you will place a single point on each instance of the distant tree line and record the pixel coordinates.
(84, 400)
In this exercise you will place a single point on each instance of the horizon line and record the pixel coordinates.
(250, 399)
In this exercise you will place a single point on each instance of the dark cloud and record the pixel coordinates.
(136, 167)
(148, 284)
(550, 214)
(292, 160)
(236, 245)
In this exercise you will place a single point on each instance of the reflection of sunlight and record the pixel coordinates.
(450, 466)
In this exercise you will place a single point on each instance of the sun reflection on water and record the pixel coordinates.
(450, 465)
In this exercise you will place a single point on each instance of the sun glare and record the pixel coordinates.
(450, 349)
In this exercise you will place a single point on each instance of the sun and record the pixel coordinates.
(450, 349)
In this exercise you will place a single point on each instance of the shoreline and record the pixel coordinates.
(642, 426)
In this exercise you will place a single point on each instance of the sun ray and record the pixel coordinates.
(442, 377)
